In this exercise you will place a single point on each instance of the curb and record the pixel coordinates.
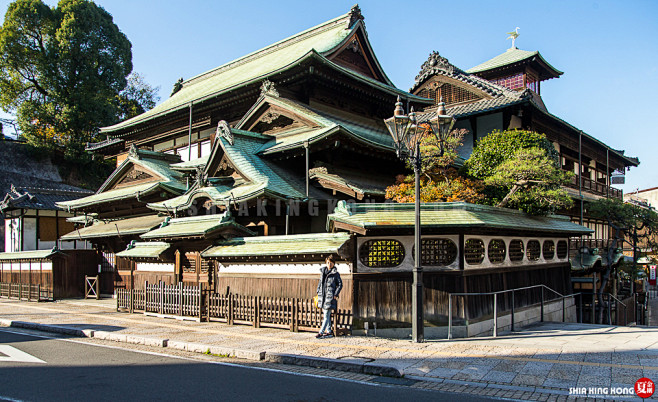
(335, 364)
(290, 359)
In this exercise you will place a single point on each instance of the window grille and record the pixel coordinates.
(548, 249)
(511, 82)
(381, 253)
(562, 249)
(189, 264)
(205, 266)
(440, 252)
(496, 251)
(534, 250)
(474, 251)
(516, 250)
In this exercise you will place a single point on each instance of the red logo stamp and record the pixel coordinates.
(644, 387)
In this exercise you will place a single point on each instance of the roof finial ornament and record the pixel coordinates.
(435, 64)
(355, 14)
(132, 152)
(178, 85)
(268, 88)
(224, 131)
(513, 35)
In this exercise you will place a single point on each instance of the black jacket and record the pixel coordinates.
(329, 287)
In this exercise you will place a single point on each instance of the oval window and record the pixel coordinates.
(496, 251)
(381, 253)
(548, 249)
(562, 249)
(474, 251)
(516, 250)
(433, 252)
(533, 251)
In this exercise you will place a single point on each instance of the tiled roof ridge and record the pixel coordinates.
(286, 238)
(43, 190)
(316, 30)
(437, 64)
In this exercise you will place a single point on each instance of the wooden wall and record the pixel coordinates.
(386, 298)
(291, 285)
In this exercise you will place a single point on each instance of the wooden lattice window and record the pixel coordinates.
(189, 264)
(496, 251)
(516, 250)
(381, 253)
(205, 266)
(454, 94)
(533, 251)
(562, 249)
(440, 252)
(548, 249)
(474, 251)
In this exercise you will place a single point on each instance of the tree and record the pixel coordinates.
(439, 181)
(632, 224)
(521, 171)
(60, 70)
(136, 98)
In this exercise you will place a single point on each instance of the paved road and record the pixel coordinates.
(77, 371)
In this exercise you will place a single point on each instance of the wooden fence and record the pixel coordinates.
(24, 291)
(192, 301)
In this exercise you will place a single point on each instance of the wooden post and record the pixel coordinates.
(38, 293)
(229, 319)
(146, 296)
(180, 299)
(98, 293)
(200, 300)
(161, 308)
(256, 311)
(293, 313)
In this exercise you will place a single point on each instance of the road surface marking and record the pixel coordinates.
(14, 355)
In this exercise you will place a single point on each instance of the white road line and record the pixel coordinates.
(16, 355)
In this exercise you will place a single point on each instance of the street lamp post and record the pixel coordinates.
(406, 135)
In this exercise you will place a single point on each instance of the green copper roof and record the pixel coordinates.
(351, 180)
(262, 177)
(121, 227)
(317, 243)
(28, 255)
(450, 216)
(257, 66)
(205, 226)
(158, 163)
(511, 56)
(190, 165)
(153, 249)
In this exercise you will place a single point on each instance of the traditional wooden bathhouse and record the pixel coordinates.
(465, 248)
(277, 137)
(505, 93)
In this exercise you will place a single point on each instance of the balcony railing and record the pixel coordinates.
(595, 187)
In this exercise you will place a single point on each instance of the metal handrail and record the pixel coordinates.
(495, 307)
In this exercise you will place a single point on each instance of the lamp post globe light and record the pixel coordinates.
(406, 135)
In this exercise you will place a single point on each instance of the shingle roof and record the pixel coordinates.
(38, 198)
(317, 243)
(449, 216)
(170, 181)
(121, 227)
(153, 249)
(205, 226)
(354, 181)
(511, 56)
(255, 67)
(28, 255)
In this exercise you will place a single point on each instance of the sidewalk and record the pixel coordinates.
(550, 357)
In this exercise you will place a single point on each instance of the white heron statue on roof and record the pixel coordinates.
(513, 35)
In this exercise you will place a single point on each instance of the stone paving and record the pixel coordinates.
(545, 359)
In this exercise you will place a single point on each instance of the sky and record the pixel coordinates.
(608, 50)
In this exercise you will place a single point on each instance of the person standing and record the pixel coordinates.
(328, 290)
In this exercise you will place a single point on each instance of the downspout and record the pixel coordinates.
(287, 217)
(189, 138)
(306, 147)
